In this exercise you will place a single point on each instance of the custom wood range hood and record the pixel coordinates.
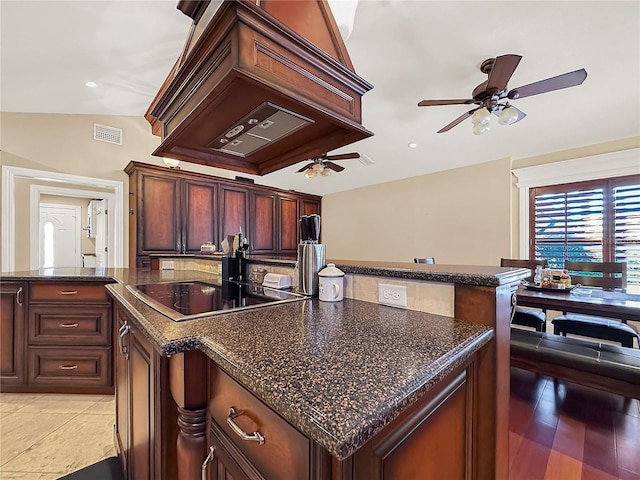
(259, 87)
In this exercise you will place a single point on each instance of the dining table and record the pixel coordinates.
(620, 304)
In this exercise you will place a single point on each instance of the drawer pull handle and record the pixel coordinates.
(207, 461)
(68, 325)
(67, 367)
(69, 292)
(252, 437)
(19, 300)
(122, 331)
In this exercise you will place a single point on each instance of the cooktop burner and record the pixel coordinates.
(186, 300)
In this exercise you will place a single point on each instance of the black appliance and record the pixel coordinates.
(187, 300)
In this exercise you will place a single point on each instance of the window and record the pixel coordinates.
(594, 221)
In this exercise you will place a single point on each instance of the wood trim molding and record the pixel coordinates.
(116, 215)
(607, 165)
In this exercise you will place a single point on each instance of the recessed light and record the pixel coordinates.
(91, 84)
(413, 145)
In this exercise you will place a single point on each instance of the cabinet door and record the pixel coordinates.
(309, 207)
(234, 210)
(142, 407)
(263, 223)
(12, 342)
(121, 369)
(158, 215)
(200, 214)
(289, 218)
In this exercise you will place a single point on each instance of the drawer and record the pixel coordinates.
(284, 455)
(70, 325)
(68, 292)
(70, 367)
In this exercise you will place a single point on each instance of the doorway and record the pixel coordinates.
(59, 236)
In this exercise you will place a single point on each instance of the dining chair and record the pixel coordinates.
(527, 316)
(605, 275)
(429, 260)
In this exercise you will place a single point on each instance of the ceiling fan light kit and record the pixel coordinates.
(323, 164)
(491, 92)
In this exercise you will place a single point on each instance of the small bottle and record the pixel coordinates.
(537, 278)
(566, 279)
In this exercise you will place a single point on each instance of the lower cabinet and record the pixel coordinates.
(432, 439)
(12, 341)
(142, 416)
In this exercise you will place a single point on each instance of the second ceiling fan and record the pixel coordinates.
(323, 164)
(492, 95)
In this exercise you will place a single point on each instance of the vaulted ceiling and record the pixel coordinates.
(409, 51)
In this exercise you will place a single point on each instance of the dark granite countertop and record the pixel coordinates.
(337, 371)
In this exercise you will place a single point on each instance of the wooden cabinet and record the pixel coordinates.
(176, 212)
(56, 339)
(288, 225)
(431, 439)
(13, 296)
(69, 337)
(143, 419)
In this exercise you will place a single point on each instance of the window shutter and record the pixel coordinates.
(626, 201)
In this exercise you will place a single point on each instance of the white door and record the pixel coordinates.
(59, 239)
(100, 219)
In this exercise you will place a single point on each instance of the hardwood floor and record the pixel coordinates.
(569, 432)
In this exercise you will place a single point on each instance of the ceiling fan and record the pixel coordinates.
(492, 95)
(322, 164)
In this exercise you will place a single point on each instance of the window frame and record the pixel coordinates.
(608, 186)
(594, 167)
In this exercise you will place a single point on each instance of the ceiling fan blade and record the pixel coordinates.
(458, 120)
(566, 80)
(334, 166)
(343, 156)
(306, 167)
(501, 71)
(430, 103)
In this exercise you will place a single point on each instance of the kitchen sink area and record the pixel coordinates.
(186, 300)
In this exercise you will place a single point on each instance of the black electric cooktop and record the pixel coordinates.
(186, 300)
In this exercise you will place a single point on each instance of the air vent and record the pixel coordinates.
(366, 161)
(107, 134)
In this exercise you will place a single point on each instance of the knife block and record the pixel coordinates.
(310, 262)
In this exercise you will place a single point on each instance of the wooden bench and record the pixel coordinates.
(605, 367)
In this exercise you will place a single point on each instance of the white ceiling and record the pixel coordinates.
(409, 51)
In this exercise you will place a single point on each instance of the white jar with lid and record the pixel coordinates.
(331, 283)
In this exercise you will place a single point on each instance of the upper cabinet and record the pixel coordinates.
(172, 211)
(259, 86)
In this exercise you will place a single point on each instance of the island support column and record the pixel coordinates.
(188, 374)
(490, 306)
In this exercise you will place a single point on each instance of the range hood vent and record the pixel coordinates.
(259, 88)
(267, 123)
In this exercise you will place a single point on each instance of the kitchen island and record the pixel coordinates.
(337, 390)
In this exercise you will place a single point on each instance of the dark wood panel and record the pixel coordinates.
(12, 325)
(285, 452)
(69, 325)
(263, 222)
(158, 208)
(288, 227)
(310, 207)
(200, 214)
(68, 367)
(142, 408)
(68, 292)
(234, 206)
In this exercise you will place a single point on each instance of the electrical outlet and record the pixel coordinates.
(393, 295)
(167, 265)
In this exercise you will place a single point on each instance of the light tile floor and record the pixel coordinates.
(46, 436)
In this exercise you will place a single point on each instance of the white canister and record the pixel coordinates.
(331, 280)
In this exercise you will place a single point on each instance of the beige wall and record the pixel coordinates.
(64, 144)
(460, 216)
(468, 215)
